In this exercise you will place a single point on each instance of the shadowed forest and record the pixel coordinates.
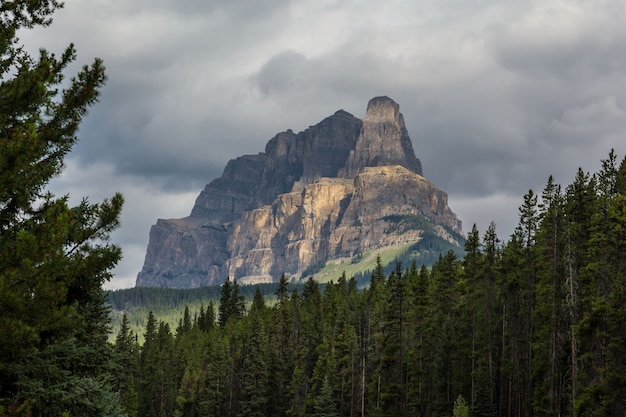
(530, 326)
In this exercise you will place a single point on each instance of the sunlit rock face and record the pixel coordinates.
(332, 191)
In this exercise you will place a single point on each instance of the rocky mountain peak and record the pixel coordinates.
(382, 109)
(342, 189)
(383, 140)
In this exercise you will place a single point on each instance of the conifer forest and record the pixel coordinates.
(531, 326)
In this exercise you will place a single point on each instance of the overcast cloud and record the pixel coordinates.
(497, 95)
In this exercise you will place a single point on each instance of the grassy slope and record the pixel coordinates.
(335, 267)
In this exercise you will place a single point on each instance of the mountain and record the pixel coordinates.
(342, 190)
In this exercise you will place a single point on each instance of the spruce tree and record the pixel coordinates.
(548, 341)
(225, 309)
(148, 387)
(325, 404)
(491, 276)
(281, 337)
(392, 366)
(126, 353)
(167, 377)
(308, 320)
(258, 302)
(444, 295)
(601, 378)
(54, 258)
(474, 304)
(255, 395)
(418, 364)
(232, 303)
(282, 293)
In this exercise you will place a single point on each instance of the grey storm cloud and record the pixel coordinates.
(497, 95)
(283, 73)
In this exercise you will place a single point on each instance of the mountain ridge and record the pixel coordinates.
(325, 193)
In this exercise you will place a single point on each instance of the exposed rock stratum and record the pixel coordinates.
(337, 190)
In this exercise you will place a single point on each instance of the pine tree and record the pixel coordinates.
(392, 363)
(418, 363)
(346, 352)
(210, 316)
(184, 324)
(167, 377)
(620, 178)
(520, 289)
(255, 395)
(378, 275)
(188, 392)
(232, 303)
(325, 404)
(282, 293)
(148, 388)
(237, 302)
(549, 346)
(308, 321)
(258, 302)
(445, 296)
(473, 274)
(202, 321)
(375, 299)
(601, 301)
(580, 201)
(225, 308)
(54, 258)
(212, 394)
(491, 277)
(282, 334)
(186, 364)
(126, 351)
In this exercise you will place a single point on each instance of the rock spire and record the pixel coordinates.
(383, 140)
(342, 188)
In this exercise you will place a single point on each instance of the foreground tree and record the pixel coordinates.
(54, 258)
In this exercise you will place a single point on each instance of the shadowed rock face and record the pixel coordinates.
(327, 192)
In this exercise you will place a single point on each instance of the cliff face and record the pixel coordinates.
(340, 188)
(383, 140)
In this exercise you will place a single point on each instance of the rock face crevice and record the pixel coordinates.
(340, 188)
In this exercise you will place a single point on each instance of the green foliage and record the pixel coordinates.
(255, 394)
(232, 303)
(325, 405)
(54, 258)
(126, 354)
(460, 407)
(531, 326)
(403, 222)
(425, 252)
(168, 304)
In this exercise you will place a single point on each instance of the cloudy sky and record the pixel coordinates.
(497, 95)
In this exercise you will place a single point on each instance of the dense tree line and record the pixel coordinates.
(533, 326)
(169, 304)
(172, 298)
